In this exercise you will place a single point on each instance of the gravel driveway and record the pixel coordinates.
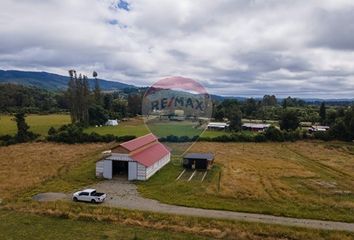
(122, 193)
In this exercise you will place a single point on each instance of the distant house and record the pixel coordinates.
(316, 128)
(112, 122)
(218, 125)
(255, 127)
(138, 159)
(200, 161)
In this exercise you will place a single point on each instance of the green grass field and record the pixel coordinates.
(124, 128)
(137, 128)
(38, 123)
(41, 123)
(15, 225)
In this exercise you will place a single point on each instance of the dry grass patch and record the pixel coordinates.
(253, 170)
(23, 166)
(302, 179)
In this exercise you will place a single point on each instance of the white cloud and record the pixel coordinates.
(254, 47)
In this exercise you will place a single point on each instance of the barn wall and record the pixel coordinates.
(119, 157)
(132, 170)
(141, 172)
(107, 169)
(157, 166)
(99, 169)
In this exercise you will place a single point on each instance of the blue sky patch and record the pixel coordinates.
(123, 5)
(113, 22)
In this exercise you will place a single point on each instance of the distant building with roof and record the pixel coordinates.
(138, 159)
(255, 127)
(317, 128)
(218, 125)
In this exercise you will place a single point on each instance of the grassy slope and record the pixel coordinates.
(265, 178)
(27, 226)
(38, 123)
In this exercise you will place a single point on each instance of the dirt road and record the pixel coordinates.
(124, 194)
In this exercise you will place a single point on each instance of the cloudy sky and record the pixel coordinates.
(300, 48)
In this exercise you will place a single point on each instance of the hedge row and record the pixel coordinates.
(272, 134)
(74, 134)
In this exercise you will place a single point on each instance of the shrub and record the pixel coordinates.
(274, 134)
(176, 139)
(325, 136)
(260, 138)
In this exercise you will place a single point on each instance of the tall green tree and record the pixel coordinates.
(323, 113)
(23, 133)
(97, 89)
(72, 95)
(234, 115)
(134, 104)
(249, 107)
(78, 93)
(269, 100)
(289, 120)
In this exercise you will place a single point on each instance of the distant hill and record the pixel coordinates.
(51, 81)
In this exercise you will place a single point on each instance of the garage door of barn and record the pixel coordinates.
(114, 168)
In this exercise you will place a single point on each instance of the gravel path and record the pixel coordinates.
(50, 197)
(123, 194)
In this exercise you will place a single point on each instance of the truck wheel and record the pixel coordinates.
(93, 201)
(75, 199)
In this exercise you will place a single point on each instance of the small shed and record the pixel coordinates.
(200, 161)
(137, 159)
(112, 122)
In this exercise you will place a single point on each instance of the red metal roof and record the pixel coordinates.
(151, 154)
(139, 142)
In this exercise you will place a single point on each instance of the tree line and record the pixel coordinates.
(93, 107)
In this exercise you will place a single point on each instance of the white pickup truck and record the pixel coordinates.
(89, 195)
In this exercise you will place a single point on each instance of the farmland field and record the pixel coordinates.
(41, 123)
(302, 179)
(38, 123)
(27, 169)
(136, 127)
(31, 227)
(24, 166)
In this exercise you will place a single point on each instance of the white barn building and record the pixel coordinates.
(139, 158)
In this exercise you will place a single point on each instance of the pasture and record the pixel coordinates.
(136, 127)
(302, 179)
(27, 169)
(38, 123)
(32, 227)
(25, 166)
